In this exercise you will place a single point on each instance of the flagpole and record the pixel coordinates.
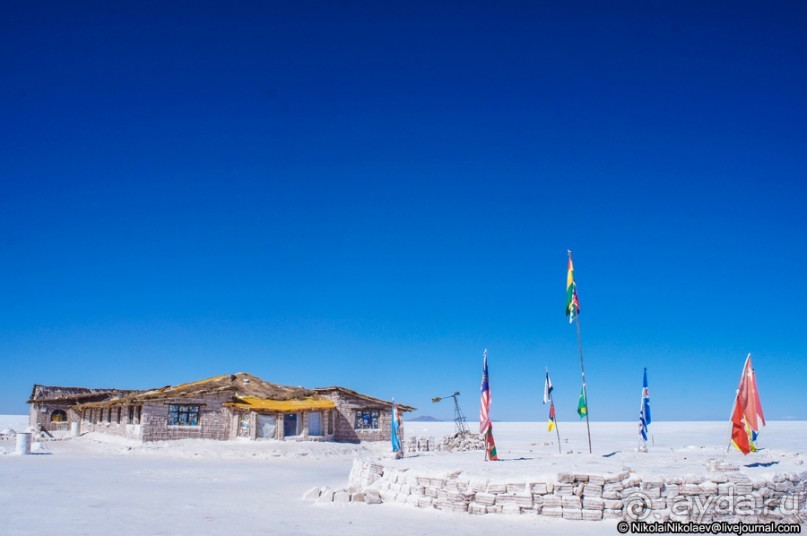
(583, 376)
(573, 312)
(552, 405)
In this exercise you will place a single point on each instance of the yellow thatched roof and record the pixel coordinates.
(257, 404)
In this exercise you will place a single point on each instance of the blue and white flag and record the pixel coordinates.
(644, 412)
(395, 428)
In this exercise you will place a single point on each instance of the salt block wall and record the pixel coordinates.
(593, 497)
(345, 415)
(214, 419)
(38, 417)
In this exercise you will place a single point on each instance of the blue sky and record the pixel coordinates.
(369, 195)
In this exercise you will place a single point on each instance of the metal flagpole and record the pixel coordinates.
(583, 375)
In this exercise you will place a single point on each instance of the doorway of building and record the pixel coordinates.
(290, 425)
(315, 423)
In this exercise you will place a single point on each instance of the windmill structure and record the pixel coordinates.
(459, 416)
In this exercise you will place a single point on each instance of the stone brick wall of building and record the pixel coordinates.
(90, 422)
(215, 420)
(346, 407)
(39, 415)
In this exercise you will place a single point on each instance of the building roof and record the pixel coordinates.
(247, 391)
(53, 393)
(371, 400)
(256, 404)
(239, 385)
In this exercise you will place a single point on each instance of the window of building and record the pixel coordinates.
(267, 426)
(244, 425)
(100, 415)
(109, 415)
(366, 420)
(330, 422)
(58, 415)
(183, 415)
(120, 409)
(134, 414)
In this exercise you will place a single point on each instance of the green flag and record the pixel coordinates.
(582, 407)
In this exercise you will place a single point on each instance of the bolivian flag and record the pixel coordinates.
(582, 407)
(490, 445)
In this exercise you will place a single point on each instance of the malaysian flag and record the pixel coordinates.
(644, 412)
(485, 426)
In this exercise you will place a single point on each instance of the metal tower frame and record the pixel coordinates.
(459, 417)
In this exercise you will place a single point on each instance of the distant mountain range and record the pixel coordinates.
(425, 418)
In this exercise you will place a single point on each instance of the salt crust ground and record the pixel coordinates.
(101, 485)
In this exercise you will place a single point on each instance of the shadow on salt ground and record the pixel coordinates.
(523, 459)
(760, 464)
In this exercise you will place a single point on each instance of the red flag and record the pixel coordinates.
(757, 402)
(747, 409)
(748, 397)
(738, 434)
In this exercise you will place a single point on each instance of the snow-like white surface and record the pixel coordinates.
(100, 485)
(527, 450)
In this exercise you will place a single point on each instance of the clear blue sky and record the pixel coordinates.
(369, 194)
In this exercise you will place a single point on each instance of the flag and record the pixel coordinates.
(551, 425)
(484, 408)
(490, 445)
(644, 411)
(747, 417)
(752, 438)
(582, 407)
(395, 428)
(572, 302)
(547, 388)
(739, 437)
(485, 426)
(752, 407)
(548, 398)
